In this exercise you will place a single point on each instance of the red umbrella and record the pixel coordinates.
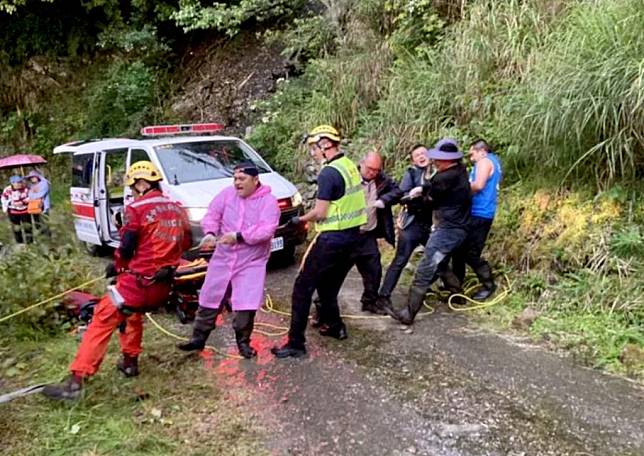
(16, 161)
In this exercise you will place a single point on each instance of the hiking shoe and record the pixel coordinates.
(192, 345)
(288, 350)
(373, 308)
(246, 350)
(338, 331)
(69, 390)
(128, 365)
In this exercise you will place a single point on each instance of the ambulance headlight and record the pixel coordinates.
(195, 214)
(296, 199)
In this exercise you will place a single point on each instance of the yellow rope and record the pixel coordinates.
(478, 304)
(177, 337)
(59, 295)
(306, 253)
(469, 286)
(269, 308)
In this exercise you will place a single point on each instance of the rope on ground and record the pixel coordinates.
(177, 337)
(270, 308)
(468, 287)
(59, 295)
(477, 305)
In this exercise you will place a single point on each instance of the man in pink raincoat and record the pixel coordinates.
(241, 221)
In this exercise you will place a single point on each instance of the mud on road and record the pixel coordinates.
(445, 388)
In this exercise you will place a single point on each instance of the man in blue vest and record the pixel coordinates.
(485, 178)
(339, 211)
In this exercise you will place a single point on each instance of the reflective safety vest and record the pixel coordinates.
(350, 211)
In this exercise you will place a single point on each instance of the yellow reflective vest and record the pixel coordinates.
(349, 211)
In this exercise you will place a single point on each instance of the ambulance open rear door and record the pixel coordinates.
(84, 201)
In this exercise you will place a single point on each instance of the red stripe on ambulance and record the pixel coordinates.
(83, 210)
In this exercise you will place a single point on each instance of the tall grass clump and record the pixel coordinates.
(459, 85)
(580, 107)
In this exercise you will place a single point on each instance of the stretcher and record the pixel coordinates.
(182, 301)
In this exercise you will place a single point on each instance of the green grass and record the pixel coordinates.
(173, 407)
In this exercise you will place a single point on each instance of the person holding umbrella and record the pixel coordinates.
(15, 199)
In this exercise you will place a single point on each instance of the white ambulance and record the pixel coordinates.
(194, 168)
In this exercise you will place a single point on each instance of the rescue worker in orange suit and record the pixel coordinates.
(155, 234)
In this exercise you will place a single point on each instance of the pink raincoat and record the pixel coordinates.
(243, 265)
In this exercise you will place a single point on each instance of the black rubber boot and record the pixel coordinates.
(128, 365)
(414, 303)
(202, 327)
(243, 324)
(69, 390)
(488, 287)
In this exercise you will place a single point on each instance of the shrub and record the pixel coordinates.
(229, 18)
(37, 272)
(121, 99)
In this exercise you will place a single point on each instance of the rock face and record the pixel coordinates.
(224, 78)
(526, 318)
(308, 188)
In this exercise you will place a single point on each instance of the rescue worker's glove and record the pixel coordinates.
(117, 219)
(295, 221)
(208, 242)
(110, 270)
(378, 204)
(416, 192)
(164, 275)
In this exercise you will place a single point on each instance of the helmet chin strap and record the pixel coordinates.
(324, 149)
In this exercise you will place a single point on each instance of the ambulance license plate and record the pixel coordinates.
(277, 244)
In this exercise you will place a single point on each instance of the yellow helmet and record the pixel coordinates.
(322, 131)
(143, 170)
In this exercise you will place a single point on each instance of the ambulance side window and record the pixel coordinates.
(115, 172)
(82, 169)
(137, 155)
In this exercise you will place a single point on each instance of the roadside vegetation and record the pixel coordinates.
(555, 86)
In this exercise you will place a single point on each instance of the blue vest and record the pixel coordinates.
(484, 202)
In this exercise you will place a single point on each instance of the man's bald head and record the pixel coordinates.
(371, 165)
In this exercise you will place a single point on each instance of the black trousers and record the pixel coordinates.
(366, 257)
(411, 237)
(470, 252)
(325, 267)
(22, 227)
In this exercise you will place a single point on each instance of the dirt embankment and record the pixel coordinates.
(224, 78)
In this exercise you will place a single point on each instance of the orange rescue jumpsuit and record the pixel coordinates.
(162, 233)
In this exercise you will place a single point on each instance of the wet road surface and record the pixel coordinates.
(447, 388)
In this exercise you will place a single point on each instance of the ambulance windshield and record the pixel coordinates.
(204, 160)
